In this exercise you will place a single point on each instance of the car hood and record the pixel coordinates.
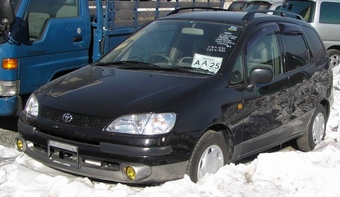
(110, 92)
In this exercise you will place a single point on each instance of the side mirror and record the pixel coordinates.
(260, 74)
(6, 14)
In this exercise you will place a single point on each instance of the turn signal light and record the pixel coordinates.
(9, 64)
(130, 172)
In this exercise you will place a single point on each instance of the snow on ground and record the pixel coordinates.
(282, 173)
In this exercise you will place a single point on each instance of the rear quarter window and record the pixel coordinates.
(297, 54)
(316, 45)
(330, 13)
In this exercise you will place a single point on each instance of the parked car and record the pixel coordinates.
(246, 5)
(324, 16)
(186, 94)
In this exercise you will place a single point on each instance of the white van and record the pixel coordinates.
(324, 15)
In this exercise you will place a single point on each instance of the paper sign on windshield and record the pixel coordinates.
(205, 62)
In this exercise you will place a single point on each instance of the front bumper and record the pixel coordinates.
(61, 155)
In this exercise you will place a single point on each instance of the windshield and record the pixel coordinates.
(193, 46)
(249, 6)
(14, 3)
(303, 8)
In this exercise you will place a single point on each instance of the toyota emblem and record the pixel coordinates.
(67, 117)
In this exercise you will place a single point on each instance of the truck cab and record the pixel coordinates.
(43, 41)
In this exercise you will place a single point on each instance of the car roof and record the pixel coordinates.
(218, 16)
(230, 17)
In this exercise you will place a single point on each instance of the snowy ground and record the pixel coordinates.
(283, 173)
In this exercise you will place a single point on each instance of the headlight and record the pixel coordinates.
(144, 124)
(32, 106)
(9, 88)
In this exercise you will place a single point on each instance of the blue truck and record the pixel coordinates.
(41, 40)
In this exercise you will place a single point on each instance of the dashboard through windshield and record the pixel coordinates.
(199, 46)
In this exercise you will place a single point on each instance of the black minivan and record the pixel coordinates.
(186, 94)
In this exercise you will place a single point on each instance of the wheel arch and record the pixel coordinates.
(226, 134)
(336, 47)
(326, 104)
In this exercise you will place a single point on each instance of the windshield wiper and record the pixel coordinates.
(191, 69)
(132, 65)
(115, 63)
(135, 65)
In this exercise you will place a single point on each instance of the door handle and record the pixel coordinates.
(78, 39)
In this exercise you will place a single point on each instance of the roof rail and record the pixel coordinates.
(195, 8)
(250, 15)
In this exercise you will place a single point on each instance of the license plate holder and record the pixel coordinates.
(63, 153)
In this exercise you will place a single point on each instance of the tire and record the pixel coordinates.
(316, 130)
(211, 153)
(334, 57)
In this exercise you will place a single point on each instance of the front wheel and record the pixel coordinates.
(210, 153)
(316, 130)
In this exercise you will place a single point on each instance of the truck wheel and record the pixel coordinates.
(210, 153)
(315, 130)
(334, 57)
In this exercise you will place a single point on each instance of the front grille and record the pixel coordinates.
(77, 119)
(71, 138)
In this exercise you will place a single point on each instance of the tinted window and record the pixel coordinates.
(297, 54)
(330, 13)
(249, 6)
(237, 74)
(238, 6)
(258, 6)
(316, 45)
(264, 50)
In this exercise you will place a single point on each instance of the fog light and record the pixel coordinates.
(20, 145)
(130, 172)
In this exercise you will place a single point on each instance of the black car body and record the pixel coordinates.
(186, 94)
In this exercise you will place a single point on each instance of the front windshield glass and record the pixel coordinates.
(193, 46)
(303, 8)
(14, 3)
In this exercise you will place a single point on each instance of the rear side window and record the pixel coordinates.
(316, 45)
(297, 54)
(330, 13)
